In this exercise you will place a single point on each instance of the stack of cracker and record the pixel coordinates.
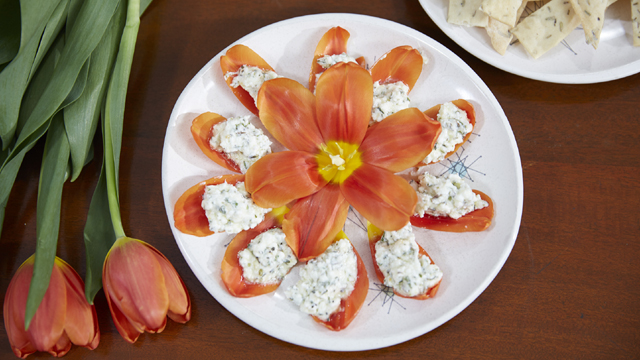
(540, 30)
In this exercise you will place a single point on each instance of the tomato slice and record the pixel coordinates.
(188, 214)
(201, 131)
(231, 268)
(476, 220)
(235, 57)
(375, 234)
(333, 42)
(402, 63)
(350, 305)
(471, 114)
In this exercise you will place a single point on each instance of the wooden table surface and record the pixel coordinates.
(569, 289)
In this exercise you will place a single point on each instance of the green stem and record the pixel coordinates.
(114, 111)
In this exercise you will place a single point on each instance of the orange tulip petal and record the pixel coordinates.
(201, 131)
(344, 97)
(232, 270)
(471, 114)
(188, 215)
(402, 63)
(333, 42)
(232, 61)
(375, 235)
(61, 347)
(137, 284)
(179, 301)
(400, 141)
(279, 178)
(81, 325)
(125, 328)
(313, 222)
(386, 200)
(288, 111)
(476, 220)
(15, 301)
(47, 325)
(350, 306)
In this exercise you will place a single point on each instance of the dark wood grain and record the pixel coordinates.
(570, 288)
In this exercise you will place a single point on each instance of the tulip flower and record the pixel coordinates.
(64, 316)
(142, 289)
(335, 158)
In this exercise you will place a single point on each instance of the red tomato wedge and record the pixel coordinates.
(350, 305)
(402, 63)
(188, 214)
(201, 131)
(471, 114)
(235, 57)
(477, 220)
(231, 268)
(333, 42)
(375, 234)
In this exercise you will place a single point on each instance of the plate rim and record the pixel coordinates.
(258, 323)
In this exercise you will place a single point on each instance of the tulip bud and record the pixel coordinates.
(63, 317)
(142, 289)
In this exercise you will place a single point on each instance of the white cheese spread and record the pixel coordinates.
(243, 143)
(326, 280)
(267, 258)
(455, 126)
(328, 61)
(405, 270)
(389, 99)
(447, 195)
(229, 208)
(250, 78)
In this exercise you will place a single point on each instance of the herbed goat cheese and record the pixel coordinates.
(446, 195)
(389, 99)
(267, 258)
(455, 126)
(326, 280)
(250, 78)
(405, 270)
(243, 143)
(229, 208)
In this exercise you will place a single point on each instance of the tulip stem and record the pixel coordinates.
(114, 112)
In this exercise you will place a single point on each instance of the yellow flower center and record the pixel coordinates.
(337, 160)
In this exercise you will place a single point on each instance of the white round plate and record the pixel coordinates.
(489, 161)
(572, 61)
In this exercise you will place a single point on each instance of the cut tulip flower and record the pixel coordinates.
(142, 289)
(64, 316)
(335, 159)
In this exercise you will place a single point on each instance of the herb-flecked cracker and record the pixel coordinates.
(467, 13)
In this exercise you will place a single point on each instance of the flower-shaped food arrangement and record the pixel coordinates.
(337, 156)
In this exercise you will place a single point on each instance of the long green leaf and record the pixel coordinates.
(9, 29)
(87, 31)
(13, 79)
(52, 177)
(54, 25)
(81, 118)
(112, 124)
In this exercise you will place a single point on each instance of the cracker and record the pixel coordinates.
(467, 13)
(502, 10)
(591, 13)
(500, 33)
(546, 27)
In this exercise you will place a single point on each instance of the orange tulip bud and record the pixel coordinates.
(142, 289)
(63, 317)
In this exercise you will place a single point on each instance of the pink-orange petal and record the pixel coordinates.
(279, 178)
(288, 111)
(125, 328)
(477, 220)
(179, 301)
(201, 132)
(344, 97)
(235, 57)
(47, 325)
(314, 221)
(402, 63)
(15, 301)
(400, 141)
(333, 42)
(386, 200)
